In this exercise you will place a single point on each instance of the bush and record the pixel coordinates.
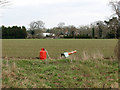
(14, 32)
(68, 36)
(110, 35)
(83, 36)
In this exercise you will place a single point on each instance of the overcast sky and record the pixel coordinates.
(51, 12)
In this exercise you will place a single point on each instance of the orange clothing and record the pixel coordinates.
(71, 52)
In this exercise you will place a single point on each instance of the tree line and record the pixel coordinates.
(99, 30)
(13, 32)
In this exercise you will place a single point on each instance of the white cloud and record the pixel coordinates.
(40, 2)
(36, 2)
(75, 12)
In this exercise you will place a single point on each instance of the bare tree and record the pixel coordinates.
(37, 25)
(61, 27)
(36, 28)
(61, 24)
(3, 3)
(116, 8)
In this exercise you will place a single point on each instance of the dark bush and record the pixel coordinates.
(83, 36)
(110, 35)
(13, 32)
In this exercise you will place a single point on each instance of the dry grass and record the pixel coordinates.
(94, 56)
(97, 55)
(85, 56)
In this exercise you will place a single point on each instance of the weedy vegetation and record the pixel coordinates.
(93, 66)
(62, 73)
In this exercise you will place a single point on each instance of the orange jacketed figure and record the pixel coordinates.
(43, 54)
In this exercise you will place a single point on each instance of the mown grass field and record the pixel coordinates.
(88, 68)
(29, 48)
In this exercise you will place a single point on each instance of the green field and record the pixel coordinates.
(29, 48)
(93, 66)
(60, 74)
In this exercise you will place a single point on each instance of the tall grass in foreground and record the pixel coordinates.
(118, 55)
(88, 56)
(62, 73)
(118, 52)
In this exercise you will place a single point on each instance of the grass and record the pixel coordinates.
(29, 48)
(62, 73)
(93, 66)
